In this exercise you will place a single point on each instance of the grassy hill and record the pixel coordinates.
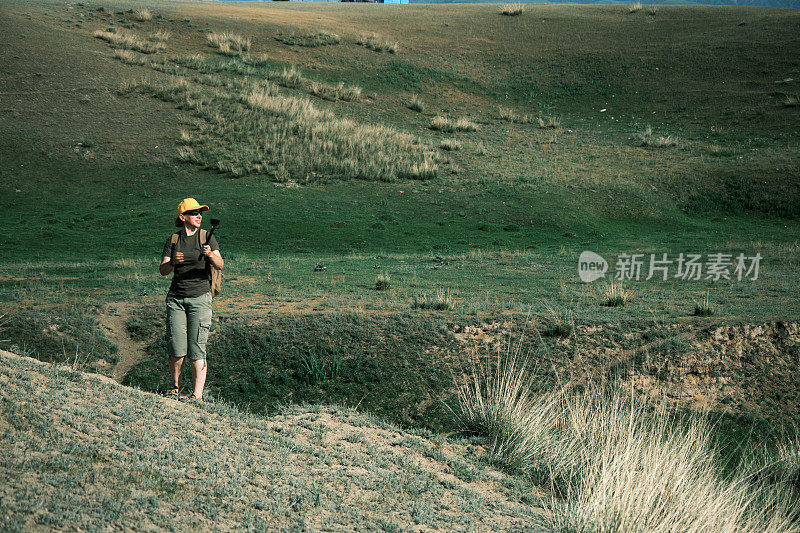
(103, 455)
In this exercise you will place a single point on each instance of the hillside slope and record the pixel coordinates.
(79, 451)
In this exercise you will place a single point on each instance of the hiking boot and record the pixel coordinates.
(192, 399)
(173, 393)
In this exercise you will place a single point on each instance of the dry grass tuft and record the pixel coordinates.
(704, 307)
(441, 300)
(652, 11)
(229, 43)
(448, 125)
(615, 294)
(508, 115)
(791, 100)
(415, 103)
(451, 145)
(377, 44)
(159, 36)
(635, 8)
(129, 41)
(549, 122)
(290, 77)
(646, 138)
(128, 57)
(142, 15)
(334, 92)
(513, 10)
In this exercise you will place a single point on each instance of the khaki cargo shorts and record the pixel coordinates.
(188, 322)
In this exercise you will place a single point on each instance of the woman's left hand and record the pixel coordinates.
(207, 250)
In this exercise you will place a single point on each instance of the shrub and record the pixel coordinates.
(652, 10)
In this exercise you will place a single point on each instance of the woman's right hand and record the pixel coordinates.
(178, 257)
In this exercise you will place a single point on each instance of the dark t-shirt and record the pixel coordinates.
(190, 277)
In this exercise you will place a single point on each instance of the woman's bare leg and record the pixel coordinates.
(199, 369)
(175, 366)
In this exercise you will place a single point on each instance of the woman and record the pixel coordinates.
(189, 297)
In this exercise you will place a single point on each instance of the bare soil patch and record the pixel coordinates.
(113, 321)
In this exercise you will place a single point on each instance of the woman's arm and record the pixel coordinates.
(166, 266)
(214, 256)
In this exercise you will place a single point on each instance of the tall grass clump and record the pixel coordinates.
(549, 122)
(614, 464)
(229, 43)
(383, 283)
(128, 57)
(448, 125)
(647, 138)
(513, 10)
(129, 41)
(440, 300)
(614, 294)
(635, 8)
(703, 307)
(335, 92)
(377, 44)
(159, 36)
(142, 15)
(415, 103)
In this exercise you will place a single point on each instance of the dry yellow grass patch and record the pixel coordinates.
(129, 41)
(229, 43)
(513, 10)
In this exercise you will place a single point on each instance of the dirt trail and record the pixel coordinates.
(113, 319)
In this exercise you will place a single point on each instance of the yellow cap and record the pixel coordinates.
(190, 204)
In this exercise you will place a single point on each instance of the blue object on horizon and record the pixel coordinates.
(395, 1)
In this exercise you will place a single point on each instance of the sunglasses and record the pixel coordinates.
(193, 213)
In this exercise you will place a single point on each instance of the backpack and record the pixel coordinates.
(214, 274)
